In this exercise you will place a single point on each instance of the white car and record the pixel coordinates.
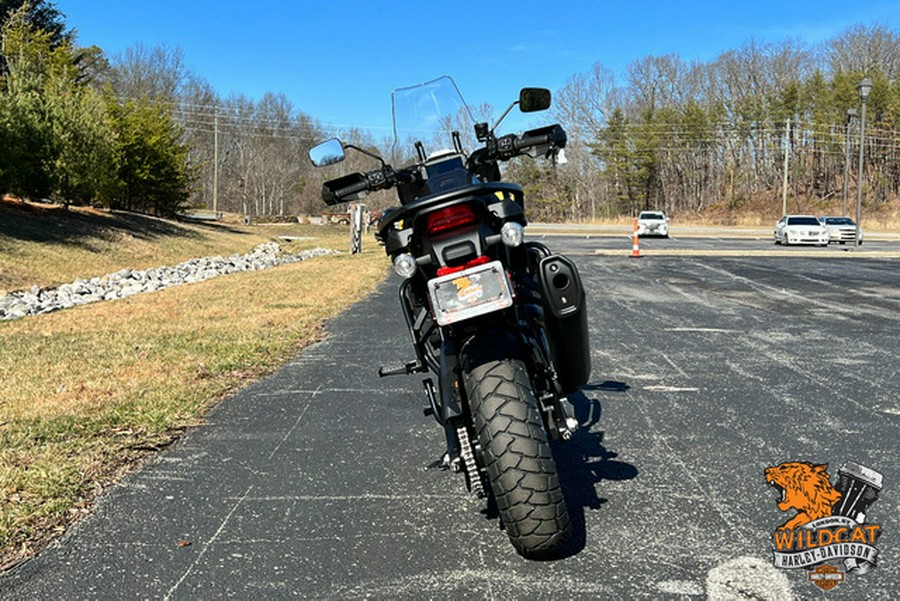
(841, 229)
(653, 223)
(800, 229)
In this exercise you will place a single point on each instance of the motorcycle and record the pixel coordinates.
(500, 322)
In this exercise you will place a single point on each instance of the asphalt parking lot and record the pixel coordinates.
(707, 369)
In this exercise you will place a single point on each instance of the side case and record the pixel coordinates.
(565, 318)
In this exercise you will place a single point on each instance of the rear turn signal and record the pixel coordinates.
(512, 233)
(405, 265)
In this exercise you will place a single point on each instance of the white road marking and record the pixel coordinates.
(661, 388)
(745, 578)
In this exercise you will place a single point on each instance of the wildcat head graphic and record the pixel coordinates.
(804, 487)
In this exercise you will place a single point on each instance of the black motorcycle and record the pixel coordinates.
(499, 321)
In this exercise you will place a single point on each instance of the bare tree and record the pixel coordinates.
(862, 49)
(159, 72)
(581, 107)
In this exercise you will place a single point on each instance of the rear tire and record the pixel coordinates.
(516, 453)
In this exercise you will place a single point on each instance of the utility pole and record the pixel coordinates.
(784, 179)
(216, 163)
(851, 112)
(864, 87)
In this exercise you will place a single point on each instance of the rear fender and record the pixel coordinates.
(491, 344)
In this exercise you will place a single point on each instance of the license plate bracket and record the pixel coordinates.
(469, 293)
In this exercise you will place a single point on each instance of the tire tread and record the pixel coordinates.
(518, 457)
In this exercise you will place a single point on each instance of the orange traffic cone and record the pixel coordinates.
(635, 246)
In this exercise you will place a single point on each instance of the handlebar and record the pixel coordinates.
(544, 140)
(357, 185)
(535, 143)
(361, 186)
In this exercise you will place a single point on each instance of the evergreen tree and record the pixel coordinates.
(57, 134)
(41, 15)
(153, 168)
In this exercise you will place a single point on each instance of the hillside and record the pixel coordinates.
(47, 245)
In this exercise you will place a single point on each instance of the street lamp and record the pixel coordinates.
(851, 113)
(864, 87)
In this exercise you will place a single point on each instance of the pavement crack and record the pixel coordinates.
(312, 396)
(208, 544)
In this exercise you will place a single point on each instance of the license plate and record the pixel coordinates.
(469, 293)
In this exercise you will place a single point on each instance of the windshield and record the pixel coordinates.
(428, 113)
(803, 221)
(839, 221)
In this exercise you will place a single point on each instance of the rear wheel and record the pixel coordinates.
(516, 452)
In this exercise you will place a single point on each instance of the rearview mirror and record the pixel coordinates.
(326, 153)
(534, 99)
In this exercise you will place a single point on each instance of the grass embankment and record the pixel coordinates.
(88, 392)
(45, 245)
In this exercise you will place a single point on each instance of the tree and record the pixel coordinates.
(28, 146)
(159, 73)
(56, 133)
(40, 15)
(83, 169)
(861, 49)
(581, 106)
(154, 173)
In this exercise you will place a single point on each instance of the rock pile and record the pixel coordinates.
(128, 282)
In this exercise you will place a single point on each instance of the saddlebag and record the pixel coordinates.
(565, 319)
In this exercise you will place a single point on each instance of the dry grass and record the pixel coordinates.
(90, 391)
(45, 245)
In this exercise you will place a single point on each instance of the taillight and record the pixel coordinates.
(473, 263)
(450, 218)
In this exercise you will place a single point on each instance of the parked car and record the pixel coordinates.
(800, 229)
(841, 229)
(653, 223)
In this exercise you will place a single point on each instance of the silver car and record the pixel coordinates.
(800, 229)
(841, 229)
(653, 223)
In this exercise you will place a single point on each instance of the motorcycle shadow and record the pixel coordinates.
(583, 462)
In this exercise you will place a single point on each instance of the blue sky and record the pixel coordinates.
(339, 60)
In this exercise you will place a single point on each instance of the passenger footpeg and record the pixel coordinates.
(565, 424)
(571, 426)
(402, 370)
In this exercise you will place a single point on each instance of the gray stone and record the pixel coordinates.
(128, 282)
